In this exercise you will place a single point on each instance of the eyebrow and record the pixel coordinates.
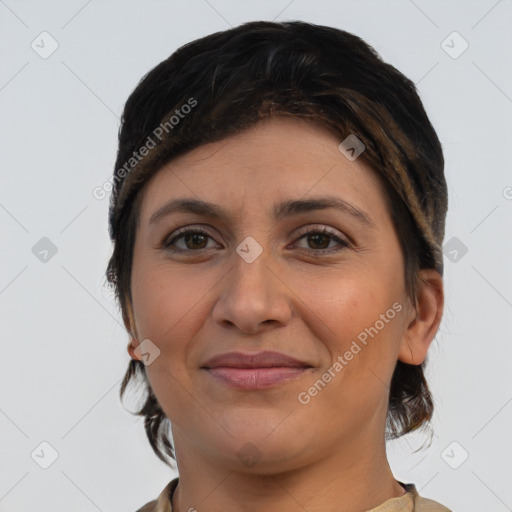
(280, 211)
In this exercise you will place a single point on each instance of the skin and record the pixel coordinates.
(300, 297)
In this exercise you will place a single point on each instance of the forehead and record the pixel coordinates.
(271, 162)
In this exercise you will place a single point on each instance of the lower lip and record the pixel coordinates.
(255, 378)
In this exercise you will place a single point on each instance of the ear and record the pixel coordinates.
(132, 345)
(129, 323)
(424, 321)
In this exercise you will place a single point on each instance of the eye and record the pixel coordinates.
(320, 239)
(196, 240)
(193, 238)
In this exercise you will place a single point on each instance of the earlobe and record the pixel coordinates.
(129, 322)
(132, 345)
(422, 328)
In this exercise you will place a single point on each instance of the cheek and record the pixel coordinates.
(364, 315)
(164, 301)
(348, 304)
(166, 308)
(366, 324)
(170, 309)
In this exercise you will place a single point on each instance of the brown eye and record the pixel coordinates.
(196, 240)
(318, 240)
(193, 240)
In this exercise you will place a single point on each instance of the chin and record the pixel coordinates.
(258, 450)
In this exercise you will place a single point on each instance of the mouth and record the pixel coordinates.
(254, 371)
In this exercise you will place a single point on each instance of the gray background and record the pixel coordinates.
(63, 343)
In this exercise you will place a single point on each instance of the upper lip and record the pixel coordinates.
(265, 359)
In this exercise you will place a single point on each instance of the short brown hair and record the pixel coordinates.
(324, 75)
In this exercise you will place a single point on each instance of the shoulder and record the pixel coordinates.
(163, 502)
(422, 504)
(426, 505)
(148, 507)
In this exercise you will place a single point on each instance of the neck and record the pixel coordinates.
(354, 479)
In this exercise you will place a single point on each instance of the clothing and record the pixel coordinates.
(410, 501)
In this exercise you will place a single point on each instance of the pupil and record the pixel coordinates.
(325, 237)
(194, 236)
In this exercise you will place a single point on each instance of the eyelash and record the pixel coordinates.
(188, 231)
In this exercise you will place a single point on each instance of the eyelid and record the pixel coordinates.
(335, 235)
(183, 231)
(338, 237)
(321, 228)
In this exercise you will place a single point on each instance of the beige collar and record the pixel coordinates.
(411, 501)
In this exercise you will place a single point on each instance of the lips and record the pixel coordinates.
(254, 371)
(266, 359)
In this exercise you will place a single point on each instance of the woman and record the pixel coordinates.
(277, 214)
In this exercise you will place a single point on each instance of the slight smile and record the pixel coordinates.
(254, 371)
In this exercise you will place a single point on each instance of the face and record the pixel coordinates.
(296, 255)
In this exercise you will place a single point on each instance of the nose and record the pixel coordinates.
(253, 297)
